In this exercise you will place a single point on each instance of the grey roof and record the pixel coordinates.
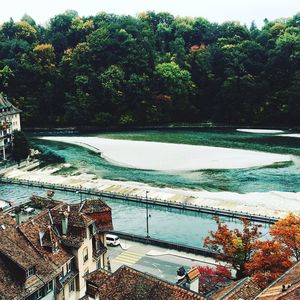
(5, 104)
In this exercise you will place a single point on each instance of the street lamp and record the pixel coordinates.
(80, 193)
(147, 215)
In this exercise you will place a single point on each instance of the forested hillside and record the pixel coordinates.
(151, 69)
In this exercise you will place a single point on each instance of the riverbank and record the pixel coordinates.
(274, 204)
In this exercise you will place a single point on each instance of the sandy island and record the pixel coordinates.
(172, 157)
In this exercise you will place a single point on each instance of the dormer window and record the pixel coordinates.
(30, 272)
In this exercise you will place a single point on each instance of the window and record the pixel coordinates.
(85, 254)
(39, 294)
(69, 266)
(92, 230)
(30, 272)
(48, 287)
(98, 245)
(72, 286)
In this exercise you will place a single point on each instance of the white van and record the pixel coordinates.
(112, 240)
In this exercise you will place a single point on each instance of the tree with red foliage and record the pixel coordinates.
(268, 262)
(287, 231)
(210, 278)
(234, 246)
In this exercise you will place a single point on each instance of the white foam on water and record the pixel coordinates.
(172, 157)
(273, 203)
(2, 204)
(260, 130)
(295, 135)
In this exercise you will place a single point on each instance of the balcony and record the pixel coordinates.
(62, 281)
(98, 249)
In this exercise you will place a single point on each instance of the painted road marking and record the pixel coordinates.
(128, 258)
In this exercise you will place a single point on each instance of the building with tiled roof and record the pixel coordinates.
(286, 287)
(128, 283)
(9, 121)
(59, 245)
(245, 289)
(24, 273)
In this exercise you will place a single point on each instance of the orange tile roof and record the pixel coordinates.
(128, 283)
(32, 229)
(245, 289)
(290, 278)
(17, 253)
(193, 273)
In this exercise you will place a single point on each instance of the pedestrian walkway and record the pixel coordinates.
(128, 258)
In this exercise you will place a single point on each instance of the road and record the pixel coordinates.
(160, 262)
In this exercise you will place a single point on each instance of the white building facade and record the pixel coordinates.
(9, 121)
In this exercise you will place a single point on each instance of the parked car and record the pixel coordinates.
(112, 240)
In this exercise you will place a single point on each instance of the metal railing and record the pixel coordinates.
(140, 199)
(166, 244)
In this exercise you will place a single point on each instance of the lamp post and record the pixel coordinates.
(147, 215)
(80, 193)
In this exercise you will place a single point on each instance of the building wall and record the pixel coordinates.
(5, 142)
(84, 266)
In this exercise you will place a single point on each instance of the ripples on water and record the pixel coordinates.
(278, 177)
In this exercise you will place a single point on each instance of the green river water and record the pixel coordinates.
(278, 177)
(170, 224)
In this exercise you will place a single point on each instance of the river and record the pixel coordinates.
(174, 225)
(167, 224)
(284, 177)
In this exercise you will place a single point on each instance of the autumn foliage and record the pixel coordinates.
(234, 246)
(210, 278)
(287, 231)
(269, 261)
(263, 260)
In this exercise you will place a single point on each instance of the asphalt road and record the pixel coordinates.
(156, 261)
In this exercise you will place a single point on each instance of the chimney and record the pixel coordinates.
(64, 223)
(17, 212)
(41, 235)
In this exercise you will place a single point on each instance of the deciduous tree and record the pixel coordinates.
(235, 247)
(287, 232)
(210, 278)
(268, 262)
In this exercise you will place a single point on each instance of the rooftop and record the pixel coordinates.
(17, 254)
(42, 237)
(245, 289)
(128, 283)
(6, 108)
(291, 282)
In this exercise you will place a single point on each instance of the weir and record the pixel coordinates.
(145, 200)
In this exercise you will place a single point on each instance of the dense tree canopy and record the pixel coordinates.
(151, 69)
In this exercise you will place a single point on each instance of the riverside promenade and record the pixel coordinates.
(145, 200)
